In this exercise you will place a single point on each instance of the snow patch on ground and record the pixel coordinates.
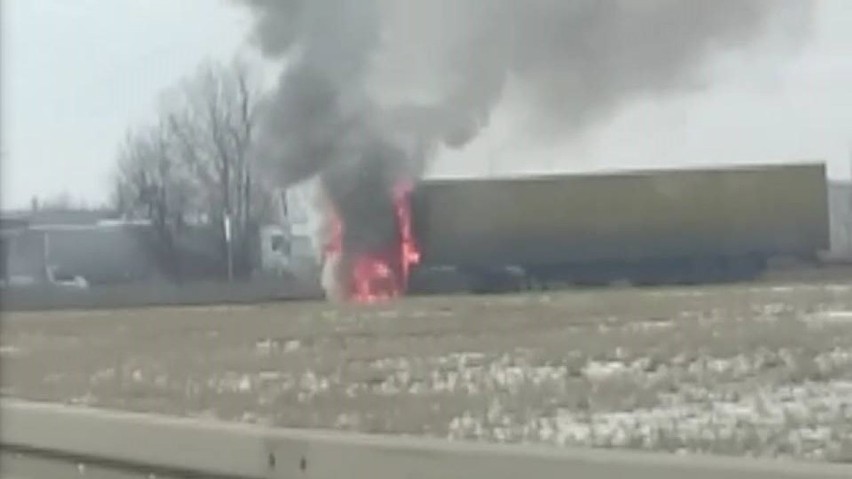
(10, 351)
(828, 318)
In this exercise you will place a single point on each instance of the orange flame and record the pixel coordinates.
(380, 275)
(409, 250)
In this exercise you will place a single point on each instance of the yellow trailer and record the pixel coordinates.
(644, 226)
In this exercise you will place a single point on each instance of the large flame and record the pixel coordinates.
(377, 275)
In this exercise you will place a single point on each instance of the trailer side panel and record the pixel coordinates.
(766, 210)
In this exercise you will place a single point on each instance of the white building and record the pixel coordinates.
(293, 245)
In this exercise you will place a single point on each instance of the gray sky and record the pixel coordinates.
(78, 73)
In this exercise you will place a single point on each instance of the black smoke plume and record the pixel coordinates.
(576, 61)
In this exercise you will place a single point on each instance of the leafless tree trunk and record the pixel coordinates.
(214, 126)
(150, 185)
(195, 161)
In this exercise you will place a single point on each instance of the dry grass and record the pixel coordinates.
(733, 370)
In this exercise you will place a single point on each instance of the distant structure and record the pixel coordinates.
(289, 246)
(41, 246)
(44, 246)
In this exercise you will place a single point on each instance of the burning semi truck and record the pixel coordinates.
(646, 227)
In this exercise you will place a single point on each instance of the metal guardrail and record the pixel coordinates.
(176, 447)
(18, 465)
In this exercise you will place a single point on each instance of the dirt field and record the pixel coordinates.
(763, 370)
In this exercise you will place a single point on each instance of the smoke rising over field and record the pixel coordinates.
(401, 77)
(577, 61)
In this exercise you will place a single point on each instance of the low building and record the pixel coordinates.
(41, 247)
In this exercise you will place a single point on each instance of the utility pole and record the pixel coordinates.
(48, 273)
(228, 245)
(847, 190)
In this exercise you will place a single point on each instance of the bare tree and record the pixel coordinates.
(213, 121)
(152, 183)
(193, 164)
